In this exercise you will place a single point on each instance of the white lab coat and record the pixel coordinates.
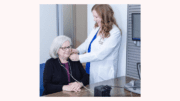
(103, 58)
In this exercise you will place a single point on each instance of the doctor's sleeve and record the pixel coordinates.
(107, 48)
(82, 48)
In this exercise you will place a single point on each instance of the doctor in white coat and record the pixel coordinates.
(104, 43)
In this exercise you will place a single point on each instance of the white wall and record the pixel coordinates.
(47, 29)
(90, 19)
(120, 13)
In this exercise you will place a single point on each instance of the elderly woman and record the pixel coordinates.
(60, 72)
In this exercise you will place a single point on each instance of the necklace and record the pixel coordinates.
(100, 42)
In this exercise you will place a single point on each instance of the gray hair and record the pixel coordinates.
(56, 44)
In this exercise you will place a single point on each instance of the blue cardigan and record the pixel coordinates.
(55, 76)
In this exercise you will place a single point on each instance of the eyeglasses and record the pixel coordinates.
(65, 48)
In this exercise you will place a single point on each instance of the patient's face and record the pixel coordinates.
(65, 50)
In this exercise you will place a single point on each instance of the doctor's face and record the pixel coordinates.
(97, 18)
(65, 50)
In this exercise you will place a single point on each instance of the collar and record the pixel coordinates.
(69, 61)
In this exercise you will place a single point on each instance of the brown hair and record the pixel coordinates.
(107, 15)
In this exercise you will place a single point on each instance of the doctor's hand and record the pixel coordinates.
(74, 57)
(75, 51)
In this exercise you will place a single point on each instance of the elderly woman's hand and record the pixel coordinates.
(76, 86)
(67, 88)
(74, 57)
